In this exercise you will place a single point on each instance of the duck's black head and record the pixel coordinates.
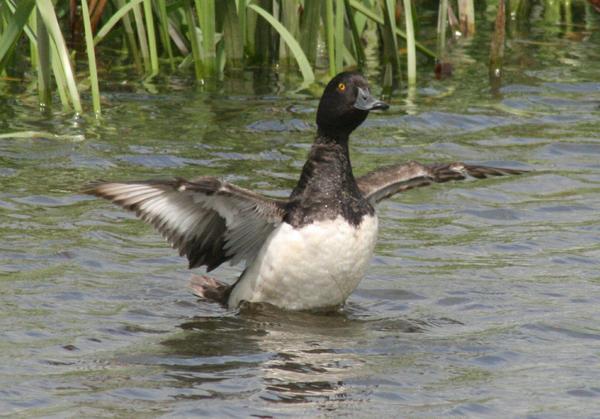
(345, 104)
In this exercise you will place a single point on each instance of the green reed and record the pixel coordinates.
(89, 43)
(216, 38)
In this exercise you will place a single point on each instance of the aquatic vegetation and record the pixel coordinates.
(216, 39)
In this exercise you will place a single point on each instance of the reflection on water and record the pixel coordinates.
(295, 357)
(482, 299)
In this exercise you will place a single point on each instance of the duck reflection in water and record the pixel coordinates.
(285, 357)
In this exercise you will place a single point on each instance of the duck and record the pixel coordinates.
(306, 252)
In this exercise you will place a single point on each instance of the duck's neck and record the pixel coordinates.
(327, 187)
(327, 168)
(326, 137)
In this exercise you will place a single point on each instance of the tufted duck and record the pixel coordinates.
(306, 252)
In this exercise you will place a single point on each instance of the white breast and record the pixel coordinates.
(312, 267)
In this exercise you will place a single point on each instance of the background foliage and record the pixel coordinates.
(45, 40)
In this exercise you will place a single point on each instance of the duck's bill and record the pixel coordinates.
(366, 102)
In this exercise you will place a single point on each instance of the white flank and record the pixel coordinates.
(316, 266)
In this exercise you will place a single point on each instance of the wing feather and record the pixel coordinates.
(208, 220)
(387, 181)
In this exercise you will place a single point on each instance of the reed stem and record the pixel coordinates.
(91, 54)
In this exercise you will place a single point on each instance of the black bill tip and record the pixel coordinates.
(366, 102)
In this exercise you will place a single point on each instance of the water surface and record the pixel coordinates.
(482, 300)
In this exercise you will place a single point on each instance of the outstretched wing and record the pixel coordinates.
(387, 181)
(208, 220)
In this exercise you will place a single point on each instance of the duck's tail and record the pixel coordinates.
(210, 289)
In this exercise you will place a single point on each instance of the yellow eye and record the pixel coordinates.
(341, 87)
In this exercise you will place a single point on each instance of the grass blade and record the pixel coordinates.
(114, 19)
(33, 51)
(289, 19)
(241, 11)
(123, 13)
(348, 57)
(48, 15)
(58, 74)
(334, 27)
(59, 77)
(329, 29)
(354, 30)
(339, 35)
(14, 29)
(497, 47)
(303, 63)
(250, 20)
(410, 45)
(264, 44)
(163, 18)
(189, 19)
(568, 15)
(55, 61)
(391, 53)
(443, 68)
(232, 35)
(359, 7)
(551, 12)
(151, 37)
(206, 18)
(442, 26)
(142, 39)
(43, 62)
(89, 45)
(309, 28)
(466, 16)
(176, 35)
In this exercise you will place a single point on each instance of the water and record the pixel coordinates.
(482, 300)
